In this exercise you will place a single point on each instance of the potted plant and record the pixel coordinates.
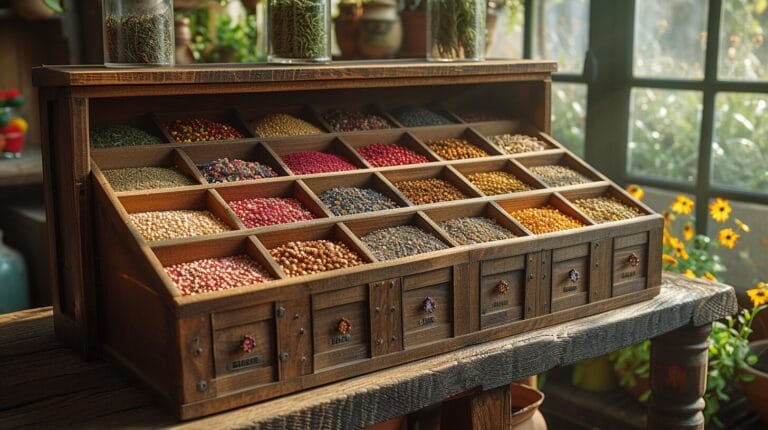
(692, 255)
(756, 389)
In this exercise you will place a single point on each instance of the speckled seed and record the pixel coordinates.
(419, 117)
(226, 170)
(213, 274)
(456, 149)
(401, 241)
(352, 200)
(354, 120)
(281, 124)
(201, 130)
(467, 231)
(145, 178)
(517, 143)
(426, 191)
(606, 209)
(165, 225)
(559, 176)
(545, 219)
(261, 212)
(314, 256)
(497, 182)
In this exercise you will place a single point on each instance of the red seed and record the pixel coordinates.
(380, 155)
(303, 163)
(260, 212)
(213, 274)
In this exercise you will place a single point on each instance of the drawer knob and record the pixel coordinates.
(633, 260)
(502, 287)
(429, 305)
(574, 275)
(344, 326)
(248, 344)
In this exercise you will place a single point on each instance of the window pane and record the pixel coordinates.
(506, 41)
(743, 51)
(746, 261)
(561, 32)
(664, 133)
(670, 38)
(740, 146)
(662, 200)
(569, 115)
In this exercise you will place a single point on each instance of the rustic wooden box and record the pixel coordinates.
(112, 294)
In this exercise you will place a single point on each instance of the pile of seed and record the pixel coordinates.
(353, 200)
(381, 155)
(354, 120)
(145, 178)
(226, 170)
(401, 241)
(559, 176)
(201, 130)
(426, 191)
(545, 220)
(214, 274)
(314, 256)
(470, 115)
(467, 231)
(113, 136)
(419, 117)
(456, 149)
(498, 182)
(166, 225)
(517, 143)
(606, 209)
(261, 212)
(307, 162)
(282, 124)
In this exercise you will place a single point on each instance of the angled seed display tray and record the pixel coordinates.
(208, 352)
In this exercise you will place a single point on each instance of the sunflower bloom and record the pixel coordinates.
(689, 273)
(683, 205)
(709, 276)
(688, 232)
(728, 237)
(678, 247)
(758, 295)
(741, 225)
(720, 209)
(669, 218)
(636, 191)
(665, 236)
(668, 259)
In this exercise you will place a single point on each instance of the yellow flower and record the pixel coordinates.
(683, 205)
(688, 232)
(669, 218)
(668, 259)
(665, 236)
(709, 276)
(689, 273)
(679, 247)
(636, 191)
(728, 237)
(742, 226)
(759, 294)
(720, 209)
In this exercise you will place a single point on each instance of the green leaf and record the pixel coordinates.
(54, 5)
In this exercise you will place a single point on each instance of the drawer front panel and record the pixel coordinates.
(501, 298)
(630, 266)
(340, 326)
(570, 283)
(242, 346)
(427, 309)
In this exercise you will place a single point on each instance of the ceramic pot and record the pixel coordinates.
(345, 27)
(380, 31)
(756, 390)
(14, 289)
(525, 406)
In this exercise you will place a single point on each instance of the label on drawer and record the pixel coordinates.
(242, 363)
(245, 346)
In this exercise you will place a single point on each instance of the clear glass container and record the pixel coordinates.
(456, 30)
(138, 33)
(299, 31)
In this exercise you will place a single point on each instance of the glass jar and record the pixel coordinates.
(138, 33)
(456, 30)
(299, 31)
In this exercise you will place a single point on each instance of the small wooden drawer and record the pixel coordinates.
(428, 307)
(630, 263)
(341, 331)
(570, 277)
(244, 342)
(502, 289)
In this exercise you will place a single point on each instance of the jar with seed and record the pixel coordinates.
(138, 33)
(456, 30)
(299, 31)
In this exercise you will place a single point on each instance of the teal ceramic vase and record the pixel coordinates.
(14, 289)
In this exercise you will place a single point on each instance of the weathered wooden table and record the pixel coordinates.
(42, 384)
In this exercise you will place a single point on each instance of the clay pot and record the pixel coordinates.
(525, 403)
(345, 26)
(414, 34)
(756, 390)
(32, 9)
(380, 31)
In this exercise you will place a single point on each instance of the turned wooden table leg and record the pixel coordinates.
(678, 379)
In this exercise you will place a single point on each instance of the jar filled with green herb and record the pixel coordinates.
(299, 31)
(456, 30)
(138, 33)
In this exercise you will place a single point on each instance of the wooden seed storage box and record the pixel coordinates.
(113, 296)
